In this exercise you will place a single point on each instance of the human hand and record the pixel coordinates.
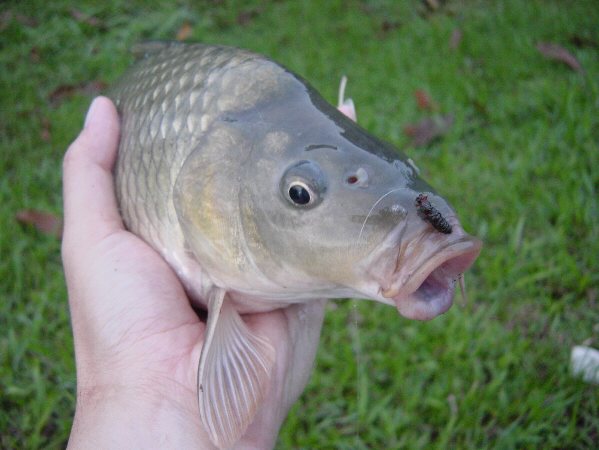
(137, 339)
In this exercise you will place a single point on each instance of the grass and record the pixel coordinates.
(520, 164)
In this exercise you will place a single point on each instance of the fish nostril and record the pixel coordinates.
(358, 178)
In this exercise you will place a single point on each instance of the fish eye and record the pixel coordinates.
(299, 193)
(303, 184)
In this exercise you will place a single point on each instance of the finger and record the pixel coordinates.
(90, 207)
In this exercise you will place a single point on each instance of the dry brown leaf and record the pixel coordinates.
(432, 4)
(34, 55)
(45, 132)
(82, 17)
(45, 222)
(429, 129)
(184, 32)
(7, 17)
(65, 91)
(559, 53)
(424, 100)
(456, 39)
(389, 25)
(245, 17)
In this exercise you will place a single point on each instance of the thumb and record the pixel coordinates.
(90, 207)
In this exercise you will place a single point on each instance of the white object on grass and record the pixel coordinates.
(585, 362)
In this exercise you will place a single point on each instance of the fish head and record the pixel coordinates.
(323, 209)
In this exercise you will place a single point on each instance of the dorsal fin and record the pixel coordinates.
(144, 49)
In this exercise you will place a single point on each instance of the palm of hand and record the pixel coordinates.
(155, 334)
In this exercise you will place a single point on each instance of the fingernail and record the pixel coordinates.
(90, 112)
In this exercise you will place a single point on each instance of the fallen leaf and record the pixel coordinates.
(245, 17)
(559, 53)
(429, 129)
(389, 25)
(34, 55)
(45, 222)
(424, 100)
(456, 39)
(7, 17)
(45, 133)
(184, 32)
(433, 5)
(82, 17)
(65, 91)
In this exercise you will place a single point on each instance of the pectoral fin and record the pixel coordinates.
(234, 372)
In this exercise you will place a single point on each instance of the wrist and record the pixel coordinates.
(133, 417)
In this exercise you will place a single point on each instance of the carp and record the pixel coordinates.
(260, 195)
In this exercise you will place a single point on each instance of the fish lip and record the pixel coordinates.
(428, 291)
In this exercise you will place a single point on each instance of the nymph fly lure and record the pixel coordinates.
(431, 214)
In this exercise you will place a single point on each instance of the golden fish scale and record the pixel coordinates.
(166, 101)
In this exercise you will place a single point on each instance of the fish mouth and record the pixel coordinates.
(428, 291)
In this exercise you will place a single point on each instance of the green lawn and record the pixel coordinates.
(520, 164)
